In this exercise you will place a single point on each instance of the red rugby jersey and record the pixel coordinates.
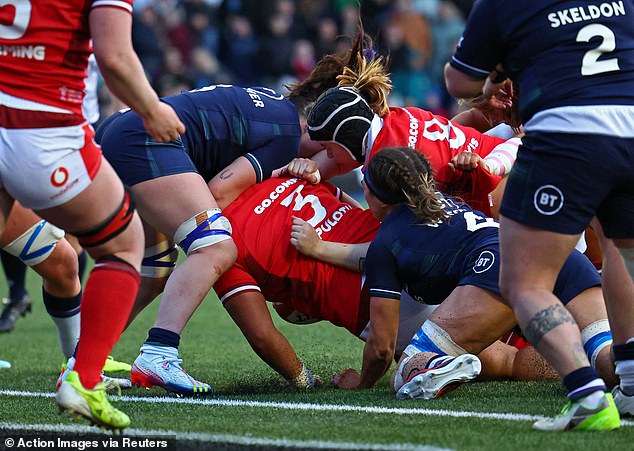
(439, 140)
(44, 50)
(262, 218)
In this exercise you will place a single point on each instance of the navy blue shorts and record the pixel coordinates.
(135, 155)
(561, 181)
(577, 274)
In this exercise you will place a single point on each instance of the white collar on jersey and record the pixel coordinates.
(375, 127)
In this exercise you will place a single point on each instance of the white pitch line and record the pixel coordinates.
(217, 438)
(312, 407)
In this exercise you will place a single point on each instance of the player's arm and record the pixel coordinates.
(249, 311)
(323, 165)
(306, 241)
(110, 29)
(232, 181)
(462, 85)
(380, 346)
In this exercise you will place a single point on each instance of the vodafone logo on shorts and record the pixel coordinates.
(59, 177)
(548, 199)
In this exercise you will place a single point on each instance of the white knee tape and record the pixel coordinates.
(441, 339)
(205, 229)
(596, 337)
(159, 260)
(36, 244)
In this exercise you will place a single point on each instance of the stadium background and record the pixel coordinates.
(187, 44)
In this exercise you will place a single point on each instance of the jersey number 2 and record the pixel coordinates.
(21, 19)
(590, 64)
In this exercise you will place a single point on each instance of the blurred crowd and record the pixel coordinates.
(188, 44)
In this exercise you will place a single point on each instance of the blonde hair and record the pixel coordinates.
(347, 69)
(367, 74)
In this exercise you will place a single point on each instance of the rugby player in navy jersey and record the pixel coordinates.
(236, 136)
(443, 252)
(574, 65)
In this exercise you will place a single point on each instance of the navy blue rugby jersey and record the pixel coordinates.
(225, 122)
(427, 260)
(561, 52)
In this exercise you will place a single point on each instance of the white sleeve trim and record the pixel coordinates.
(115, 3)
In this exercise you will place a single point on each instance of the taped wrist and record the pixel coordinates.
(305, 379)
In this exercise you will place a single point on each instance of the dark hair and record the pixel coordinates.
(326, 73)
(359, 67)
(402, 175)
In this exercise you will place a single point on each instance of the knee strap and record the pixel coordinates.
(595, 338)
(205, 229)
(159, 260)
(432, 338)
(36, 244)
(111, 227)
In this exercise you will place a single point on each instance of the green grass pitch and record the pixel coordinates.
(250, 409)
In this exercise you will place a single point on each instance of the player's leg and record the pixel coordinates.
(42, 246)
(527, 279)
(619, 296)
(555, 188)
(468, 321)
(620, 303)
(159, 261)
(6, 202)
(181, 206)
(18, 302)
(111, 232)
(588, 310)
(82, 255)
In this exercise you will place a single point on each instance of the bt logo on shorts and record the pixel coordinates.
(484, 262)
(548, 199)
(59, 177)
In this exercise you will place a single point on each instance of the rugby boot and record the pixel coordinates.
(580, 416)
(432, 382)
(160, 366)
(13, 309)
(624, 403)
(93, 405)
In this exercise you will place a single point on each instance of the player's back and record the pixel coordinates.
(262, 218)
(44, 50)
(429, 259)
(224, 122)
(561, 52)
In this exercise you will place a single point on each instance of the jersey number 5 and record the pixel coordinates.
(590, 64)
(21, 18)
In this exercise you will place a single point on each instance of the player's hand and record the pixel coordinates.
(466, 161)
(304, 168)
(348, 379)
(163, 123)
(304, 238)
